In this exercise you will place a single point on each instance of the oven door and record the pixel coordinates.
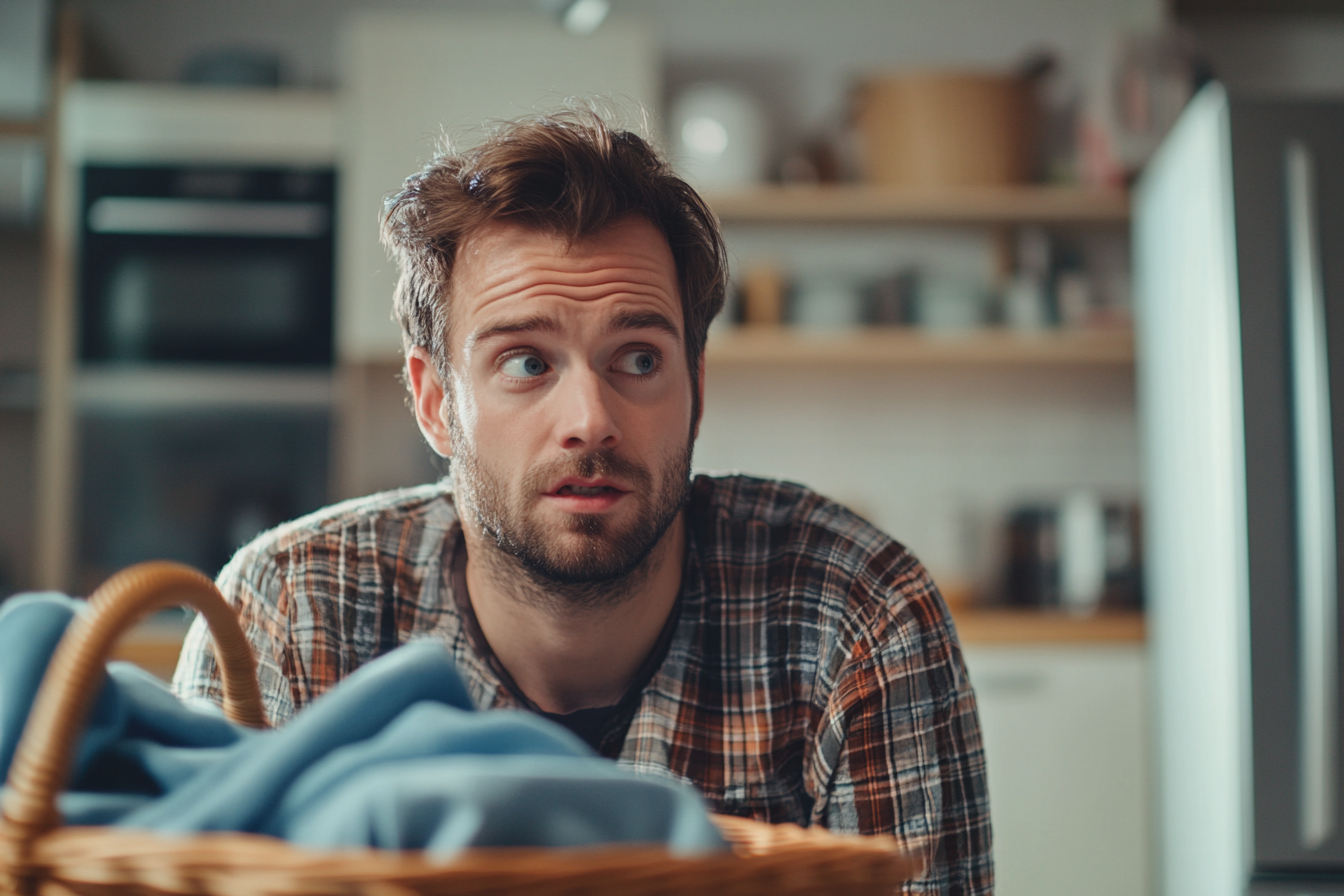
(192, 485)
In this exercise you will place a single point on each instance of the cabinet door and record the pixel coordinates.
(1066, 736)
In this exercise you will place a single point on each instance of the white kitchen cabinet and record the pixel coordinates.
(410, 79)
(1066, 736)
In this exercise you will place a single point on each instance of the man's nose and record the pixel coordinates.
(586, 419)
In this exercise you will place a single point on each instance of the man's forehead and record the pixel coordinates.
(503, 264)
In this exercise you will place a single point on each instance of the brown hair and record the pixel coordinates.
(568, 173)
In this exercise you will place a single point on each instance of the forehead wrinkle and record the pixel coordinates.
(503, 265)
(525, 278)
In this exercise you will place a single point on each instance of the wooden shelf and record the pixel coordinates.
(153, 645)
(157, 655)
(19, 127)
(866, 204)
(901, 346)
(1016, 626)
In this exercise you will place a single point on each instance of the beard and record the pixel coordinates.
(587, 560)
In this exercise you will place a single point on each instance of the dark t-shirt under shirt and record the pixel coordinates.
(601, 727)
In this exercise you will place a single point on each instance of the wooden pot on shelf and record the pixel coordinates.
(945, 128)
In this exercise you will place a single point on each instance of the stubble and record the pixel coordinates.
(591, 562)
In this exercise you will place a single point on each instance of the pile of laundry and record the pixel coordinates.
(393, 757)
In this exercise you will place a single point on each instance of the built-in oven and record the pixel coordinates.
(204, 385)
(207, 264)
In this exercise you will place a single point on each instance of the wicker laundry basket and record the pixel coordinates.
(38, 856)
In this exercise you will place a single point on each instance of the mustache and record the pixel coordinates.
(588, 466)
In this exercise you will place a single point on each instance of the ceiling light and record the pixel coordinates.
(577, 16)
(584, 16)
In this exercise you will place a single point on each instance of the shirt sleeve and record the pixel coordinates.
(902, 737)
(255, 588)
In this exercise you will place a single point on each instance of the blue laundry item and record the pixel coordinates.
(133, 706)
(395, 756)
(30, 627)
(239, 792)
(82, 808)
(448, 803)
(426, 729)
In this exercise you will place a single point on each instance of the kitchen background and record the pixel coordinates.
(971, 434)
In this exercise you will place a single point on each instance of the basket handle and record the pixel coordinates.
(42, 761)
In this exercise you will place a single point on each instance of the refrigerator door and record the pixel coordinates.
(1190, 405)
(1288, 189)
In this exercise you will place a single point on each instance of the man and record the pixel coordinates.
(748, 636)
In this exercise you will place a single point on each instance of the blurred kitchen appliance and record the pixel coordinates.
(1077, 554)
(945, 128)
(203, 391)
(207, 263)
(1239, 274)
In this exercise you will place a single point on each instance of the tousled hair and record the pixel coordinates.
(568, 173)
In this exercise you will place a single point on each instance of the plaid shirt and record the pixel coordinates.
(813, 676)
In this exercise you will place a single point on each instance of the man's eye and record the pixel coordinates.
(639, 363)
(523, 366)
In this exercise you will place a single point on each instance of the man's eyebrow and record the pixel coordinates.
(642, 320)
(537, 323)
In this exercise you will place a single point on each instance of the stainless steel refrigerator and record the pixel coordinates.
(1239, 286)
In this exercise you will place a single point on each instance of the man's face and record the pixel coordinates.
(570, 402)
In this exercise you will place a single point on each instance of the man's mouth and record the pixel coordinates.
(588, 495)
(586, 491)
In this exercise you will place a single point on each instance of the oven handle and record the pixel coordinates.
(208, 217)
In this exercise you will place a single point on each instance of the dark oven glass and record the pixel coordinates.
(193, 487)
(207, 265)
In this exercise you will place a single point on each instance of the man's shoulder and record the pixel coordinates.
(809, 561)
(792, 511)
(425, 509)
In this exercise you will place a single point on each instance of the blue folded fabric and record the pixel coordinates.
(448, 803)
(395, 757)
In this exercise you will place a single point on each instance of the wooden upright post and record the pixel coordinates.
(56, 424)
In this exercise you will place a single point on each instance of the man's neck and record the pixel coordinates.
(577, 654)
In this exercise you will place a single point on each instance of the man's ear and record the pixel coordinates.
(427, 399)
(700, 394)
